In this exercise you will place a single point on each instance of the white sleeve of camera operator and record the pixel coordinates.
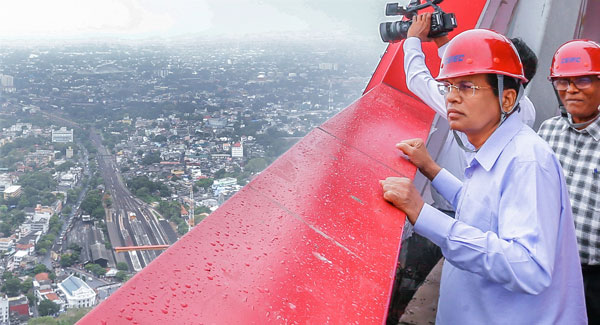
(418, 76)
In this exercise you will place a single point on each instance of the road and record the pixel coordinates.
(130, 221)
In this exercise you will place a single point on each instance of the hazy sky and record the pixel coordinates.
(50, 19)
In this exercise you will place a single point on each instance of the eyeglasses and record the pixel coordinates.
(464, 88)
(579, 82)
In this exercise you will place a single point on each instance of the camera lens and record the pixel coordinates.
(394, 31)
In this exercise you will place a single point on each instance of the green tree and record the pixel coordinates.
(75, 247)
(31, 298)
(169, 209)
(98, 212)
(96, 269)
(46, 320)
(205, 183)
(122, 266)
(151, 158)
(92, 200)
(202, 209)
(27, 285)
(256, 165)
(47, 307)
(121, 276)
(12, 287)
(182, 228)
(220, 173)
(40, 268)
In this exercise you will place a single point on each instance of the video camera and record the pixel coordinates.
(441, 22)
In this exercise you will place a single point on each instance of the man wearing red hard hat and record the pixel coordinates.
(575, 138)
(511, 252)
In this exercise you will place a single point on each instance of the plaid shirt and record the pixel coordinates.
(579, 155)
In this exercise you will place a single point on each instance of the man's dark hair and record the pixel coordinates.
(530, 62)
(528, 58)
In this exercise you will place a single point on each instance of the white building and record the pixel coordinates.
(223, 182)
(62, 135)
(5, 181)
(40, 222)
(6, 244)
(237, 151)
(4, 311)
(7, 83)
(77, 293)
(19, 256)
(6, 80)
(69, 153)
(12, 191)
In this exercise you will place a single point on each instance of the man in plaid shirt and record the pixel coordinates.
(575, 138)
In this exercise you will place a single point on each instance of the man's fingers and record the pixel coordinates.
(413, 142)
(390, 196)
(408, 147)
(405, 148)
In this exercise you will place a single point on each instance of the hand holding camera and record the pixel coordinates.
(436, 24)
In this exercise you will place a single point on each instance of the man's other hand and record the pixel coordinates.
(420, 28)
(417, 154)
(401, 192)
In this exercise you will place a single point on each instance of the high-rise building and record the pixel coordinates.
(237, 151)
(7, 83)
(6, 80)
(4, 310)
(69, 153)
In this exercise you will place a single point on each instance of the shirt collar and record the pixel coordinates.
(593, 129)
(495, 144)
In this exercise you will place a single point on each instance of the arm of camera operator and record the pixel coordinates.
(418, 76)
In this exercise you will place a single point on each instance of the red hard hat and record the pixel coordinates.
(478, 51)
(576, 58)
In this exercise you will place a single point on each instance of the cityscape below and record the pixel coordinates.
(109, 148)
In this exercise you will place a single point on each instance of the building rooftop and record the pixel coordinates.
(72, 284)
(42, 277)
(52, 296)
(12, 189)
(21, 253)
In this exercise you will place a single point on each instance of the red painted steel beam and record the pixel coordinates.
(310, 240)
(140, 248)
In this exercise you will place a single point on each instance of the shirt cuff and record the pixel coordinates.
(434, 225)
(411, 43)
(447, 185)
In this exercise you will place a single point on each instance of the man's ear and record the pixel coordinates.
(509, 96)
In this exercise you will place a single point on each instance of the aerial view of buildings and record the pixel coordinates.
(109, 146)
